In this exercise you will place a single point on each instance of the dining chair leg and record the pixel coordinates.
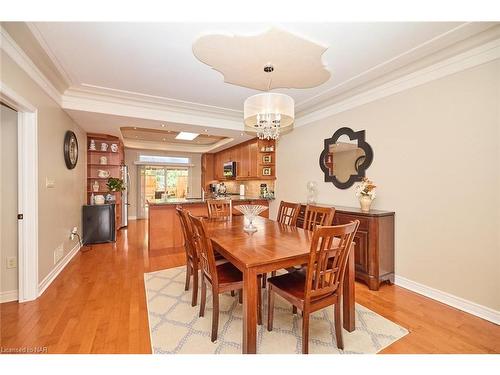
(270, 308)
(203, 295)
(294, 309)
(188, 275)
(264, 280)
(240, 296)
(259, 304)
(194, 299)
(305, 333)
(338, 326)
(232, 293)
(215, 314)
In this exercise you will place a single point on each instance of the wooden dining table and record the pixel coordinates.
(272, 247)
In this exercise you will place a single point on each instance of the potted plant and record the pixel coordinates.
(114, 185)
(365, 191)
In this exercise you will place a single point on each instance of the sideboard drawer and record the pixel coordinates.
(341, 218)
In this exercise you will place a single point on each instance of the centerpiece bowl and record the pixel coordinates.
(250, 211)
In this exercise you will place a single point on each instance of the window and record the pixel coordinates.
(163, 159)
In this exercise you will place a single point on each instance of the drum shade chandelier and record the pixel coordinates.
(269, 114)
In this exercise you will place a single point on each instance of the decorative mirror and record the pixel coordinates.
(345, 157)
(70, 149)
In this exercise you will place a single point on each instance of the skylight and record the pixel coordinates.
(185, 136)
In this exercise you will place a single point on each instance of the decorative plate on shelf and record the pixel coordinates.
(70, 149)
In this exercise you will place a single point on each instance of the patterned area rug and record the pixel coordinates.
(176, 328)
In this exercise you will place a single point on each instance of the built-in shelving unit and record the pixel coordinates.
(109, 161)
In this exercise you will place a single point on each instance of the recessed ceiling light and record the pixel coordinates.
(186, 136)
(163, 125)
(242, 134)
(206, 130)
(135, 128)
(163, 138)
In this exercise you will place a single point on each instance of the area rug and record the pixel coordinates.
(176, 328)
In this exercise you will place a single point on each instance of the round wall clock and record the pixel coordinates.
(70, 149)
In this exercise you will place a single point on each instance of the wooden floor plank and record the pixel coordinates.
(98, 305)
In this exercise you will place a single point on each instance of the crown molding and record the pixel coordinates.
(16, 53)
(476, 56)
(69, 79)
(122, 103)
(467, 31)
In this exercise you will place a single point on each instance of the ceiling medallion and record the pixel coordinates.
(296, 61)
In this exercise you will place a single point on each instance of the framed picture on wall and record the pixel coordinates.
(267, 159)
(266, 171)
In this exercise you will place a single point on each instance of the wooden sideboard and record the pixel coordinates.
(374, 242)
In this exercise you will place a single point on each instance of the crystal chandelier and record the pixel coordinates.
(269, 114)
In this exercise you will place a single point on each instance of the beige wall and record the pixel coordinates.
(132, 155)
(8, 197)
(59, 208)
(436, 162)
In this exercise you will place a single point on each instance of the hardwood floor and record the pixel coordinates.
(98, 305)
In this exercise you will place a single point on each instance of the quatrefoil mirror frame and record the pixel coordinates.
(361, 169)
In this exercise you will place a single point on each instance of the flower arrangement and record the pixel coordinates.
(366, 188)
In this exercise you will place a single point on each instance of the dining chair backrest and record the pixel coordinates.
(187, 232)
(328, 257)
(316, 215)
(220, 208)
(204, 249)
(288, 213)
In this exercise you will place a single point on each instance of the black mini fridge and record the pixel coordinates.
(98, 223)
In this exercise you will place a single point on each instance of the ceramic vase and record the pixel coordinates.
(365, 202)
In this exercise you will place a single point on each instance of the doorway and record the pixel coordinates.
(8, 203)
(160, 182)
(27, 194)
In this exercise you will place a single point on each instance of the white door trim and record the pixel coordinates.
(27, 150)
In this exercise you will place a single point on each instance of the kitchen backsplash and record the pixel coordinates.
(252, 188)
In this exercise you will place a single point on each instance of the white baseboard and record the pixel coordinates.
(8, 296)
(449, 299)
(44, 284)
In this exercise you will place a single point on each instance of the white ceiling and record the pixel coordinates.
(153, 64)
(157, 58)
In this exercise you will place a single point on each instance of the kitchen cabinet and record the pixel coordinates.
(249, 161)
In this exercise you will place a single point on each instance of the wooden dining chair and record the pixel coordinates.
(191, 255)
(316, 215)
(288, 213)
(220, 209)
(223, 277)
(320, 283)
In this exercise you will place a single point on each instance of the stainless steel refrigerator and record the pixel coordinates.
(126, 183)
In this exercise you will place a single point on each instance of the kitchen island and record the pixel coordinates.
(164, 228)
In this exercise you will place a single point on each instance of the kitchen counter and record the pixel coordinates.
(184, 201)
(165, 232)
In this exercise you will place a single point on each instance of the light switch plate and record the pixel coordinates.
(49, 183)
(11, 262)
